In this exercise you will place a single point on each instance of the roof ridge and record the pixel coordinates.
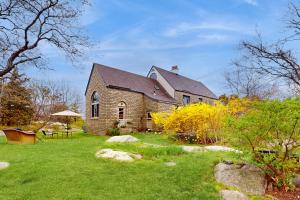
(193, 83)
(101, 65)
(179, 75)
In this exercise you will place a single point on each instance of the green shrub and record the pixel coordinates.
(77, 122)
(270, 132)
(113, 132)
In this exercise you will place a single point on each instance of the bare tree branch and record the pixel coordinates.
(277, 60)
(25, 24)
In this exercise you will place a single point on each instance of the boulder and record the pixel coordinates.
(232, 195)
(221, 148)
(117, 155)
(192, 148)
(297, 181)
(122, 138)
(170, 164)
(4, 165)
(246, 178)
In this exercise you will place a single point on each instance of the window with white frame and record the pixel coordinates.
(121, 110)
(95, 104)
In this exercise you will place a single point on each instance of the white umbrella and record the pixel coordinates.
(67, 113)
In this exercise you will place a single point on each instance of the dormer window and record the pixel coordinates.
(186, 99)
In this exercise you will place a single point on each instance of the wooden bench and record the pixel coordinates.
(14, 136)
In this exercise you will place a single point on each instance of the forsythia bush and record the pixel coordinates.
(237, 106)
(201, 119)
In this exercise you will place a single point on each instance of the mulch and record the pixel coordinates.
(282, 195)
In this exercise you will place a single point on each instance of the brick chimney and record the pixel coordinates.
(175, 69)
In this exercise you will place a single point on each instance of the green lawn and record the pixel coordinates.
(67, 169)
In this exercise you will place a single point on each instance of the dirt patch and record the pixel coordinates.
(282, 195)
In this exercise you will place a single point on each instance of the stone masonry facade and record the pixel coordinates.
(136, 110)
(137, 106)
(194, 98)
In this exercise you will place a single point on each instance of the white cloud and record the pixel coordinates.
(184, 27)
(251, 2)
(214, 37)
(91, 14)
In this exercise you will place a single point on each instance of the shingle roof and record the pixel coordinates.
(184, 84)
(125, 80)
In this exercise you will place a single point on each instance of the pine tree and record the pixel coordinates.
(16, 106)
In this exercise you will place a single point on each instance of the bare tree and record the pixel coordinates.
(49, 97)
(247, 83)
(277, 60)
(26, 24)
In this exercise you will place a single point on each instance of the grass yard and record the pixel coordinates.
(67, 169)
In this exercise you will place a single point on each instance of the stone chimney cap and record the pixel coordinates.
(175, 67)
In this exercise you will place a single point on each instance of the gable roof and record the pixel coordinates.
(184, 84)
(120, 79)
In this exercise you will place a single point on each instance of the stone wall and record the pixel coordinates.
(194, 98)
(96, 125)
(134, 109)
(164, 107)
(154, 106)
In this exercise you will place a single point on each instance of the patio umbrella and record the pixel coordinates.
(66, 113)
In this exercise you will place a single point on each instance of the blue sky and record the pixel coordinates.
(200, 36)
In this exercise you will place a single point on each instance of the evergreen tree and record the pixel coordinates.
(16, 105)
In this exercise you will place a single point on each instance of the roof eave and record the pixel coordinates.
(216, 98)
(88, 83)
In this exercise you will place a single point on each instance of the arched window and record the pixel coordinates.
(95, 104)
(121, 110)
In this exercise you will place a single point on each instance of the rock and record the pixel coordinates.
(4, 165)
(192, 148)
(170, 164)
(122, 138)
(228, 162)
(232, 195)
(117, 155)
(221, 148)
(246, 178)
(297, 181)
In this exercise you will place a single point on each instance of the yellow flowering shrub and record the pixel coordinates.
(238, 105)
(200, 119)
(203, 120)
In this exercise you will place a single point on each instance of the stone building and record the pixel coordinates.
(117, 97)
